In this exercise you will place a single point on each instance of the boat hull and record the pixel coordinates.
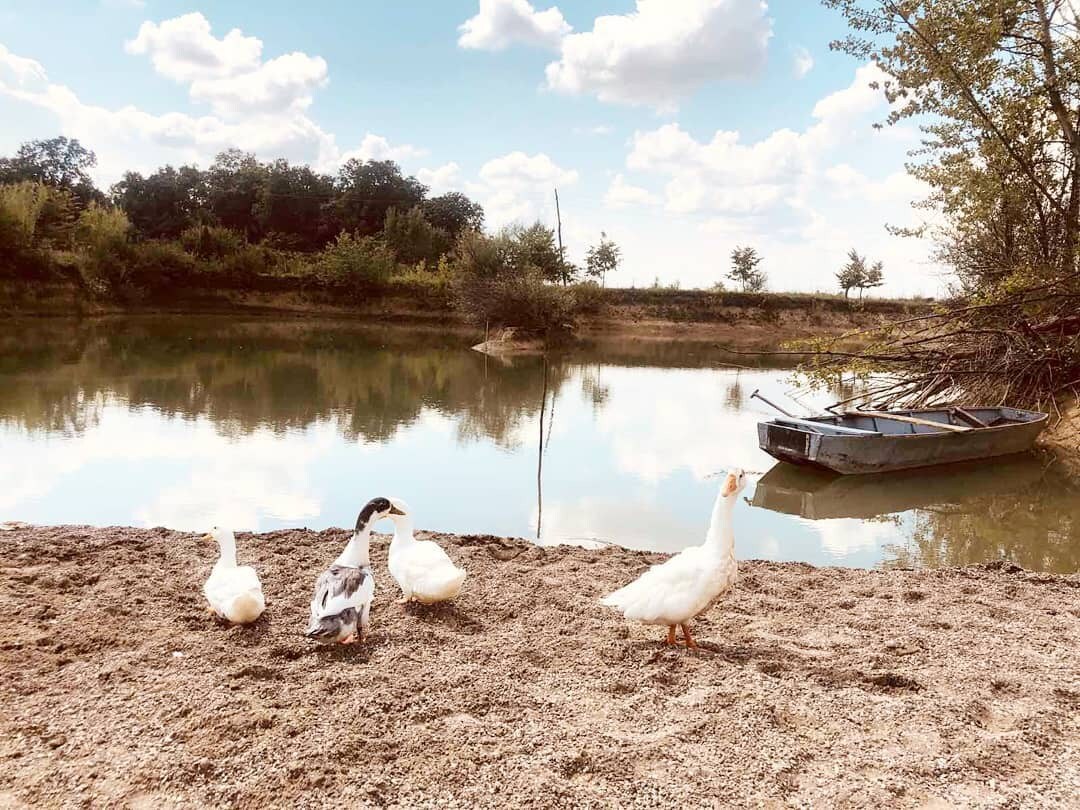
(893, 449)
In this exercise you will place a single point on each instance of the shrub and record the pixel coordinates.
(526, 301)
(212, 241)
(480, 256)
(241, 266)
(588, 296)
(412, 238)
(99, 226)
(355, 261)
(21, 205)
(35, 216)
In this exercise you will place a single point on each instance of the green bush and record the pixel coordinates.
(21, 205)
(240, 267)
(480, 256)
(355, 261)
(412, 238)
(99, 226)
(117, 267)
(212, 242)
(525, 301)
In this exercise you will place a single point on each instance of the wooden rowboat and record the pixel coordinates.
(859, 442)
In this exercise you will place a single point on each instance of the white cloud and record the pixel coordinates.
(518, 187)
(803, 63)
(228, 73)
(663, 50)
(257, 106)
(183, 49)
(440, 179)
(621, 194)
(521, 172)
(725, 174)
(499, 23)
(280, 85)
(376, 147)
(803, 198)
(599, 129)
(18, 72)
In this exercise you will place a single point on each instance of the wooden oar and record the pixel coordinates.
(912, 420)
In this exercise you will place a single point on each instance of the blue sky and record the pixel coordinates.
(680, 127)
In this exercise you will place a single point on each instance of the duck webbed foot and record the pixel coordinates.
(670, 641)
(690, 643)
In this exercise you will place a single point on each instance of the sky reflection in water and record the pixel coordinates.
(189, 423)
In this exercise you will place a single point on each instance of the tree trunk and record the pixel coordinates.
(1069, 133)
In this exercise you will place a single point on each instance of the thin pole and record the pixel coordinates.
(558, 225)
(540, 456)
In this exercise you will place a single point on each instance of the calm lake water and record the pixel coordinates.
(190, 422)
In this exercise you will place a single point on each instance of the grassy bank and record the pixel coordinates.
(813, 687)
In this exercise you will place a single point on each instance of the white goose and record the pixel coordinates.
(421, 568)
(233, 591)
(680, 588)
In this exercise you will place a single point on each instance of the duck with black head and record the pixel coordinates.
(341, 605)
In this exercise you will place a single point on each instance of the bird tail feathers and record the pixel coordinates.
(245, 608)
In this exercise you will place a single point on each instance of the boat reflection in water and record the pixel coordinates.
(1017, 508)
(817, 494)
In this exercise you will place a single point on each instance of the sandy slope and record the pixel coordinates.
(816, 687)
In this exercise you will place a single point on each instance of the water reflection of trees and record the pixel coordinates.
(1037, 528)
(246, 376)
(370, 380)
(1021, 508)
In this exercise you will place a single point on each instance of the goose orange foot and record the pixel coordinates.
(690, 643)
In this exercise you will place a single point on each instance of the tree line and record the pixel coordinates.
(361, 229)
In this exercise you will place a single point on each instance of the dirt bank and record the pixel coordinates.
(816, 687)
(679, 315)
(1063, 435)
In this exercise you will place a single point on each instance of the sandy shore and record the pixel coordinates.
(814, 687)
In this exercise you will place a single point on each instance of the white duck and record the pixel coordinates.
(680, 588)
(344, 591)
(233, 591)
(421, 568)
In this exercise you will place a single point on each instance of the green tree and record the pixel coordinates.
(853, 274)
(412, 238)
(59, 162)
(996, 81)
(534, 248)
(602, 258)
(164, 204)
(454, 213)
(744, 269)
(234, 188)
(995, 84)
(291, 206)
(875, 277)
(367, 190)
